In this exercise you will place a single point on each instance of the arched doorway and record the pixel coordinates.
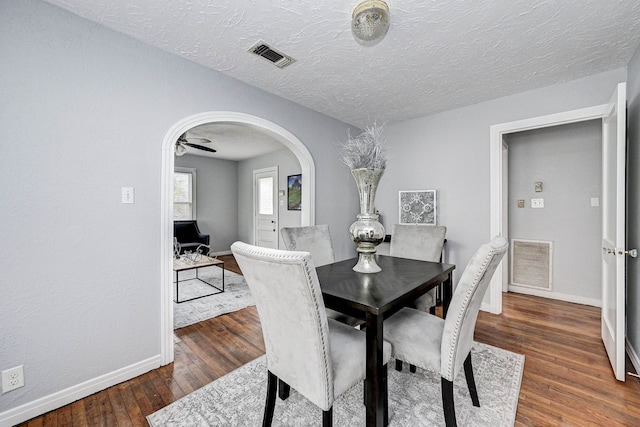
(166, 199)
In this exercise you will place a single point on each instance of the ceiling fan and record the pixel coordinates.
(183, 142)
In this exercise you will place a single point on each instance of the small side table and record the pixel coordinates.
(185, 265)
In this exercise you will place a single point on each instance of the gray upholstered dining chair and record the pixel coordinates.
(444, 345)
(421, 242)
(319, 357)
(316, 239)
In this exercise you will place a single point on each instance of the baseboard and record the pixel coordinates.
(633, 356)
(64, 397)
(218, 253)
(555, 295)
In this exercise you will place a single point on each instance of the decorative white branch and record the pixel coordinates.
(365, 150)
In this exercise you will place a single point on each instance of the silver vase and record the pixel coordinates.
(367, 232)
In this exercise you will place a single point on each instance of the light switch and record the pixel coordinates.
(595, 202)
(537, 203)
(127, 195)
(538, 187)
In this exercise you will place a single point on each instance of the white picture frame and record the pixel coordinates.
(417, 207)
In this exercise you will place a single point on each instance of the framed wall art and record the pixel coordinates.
(294, 192)
(418, 207)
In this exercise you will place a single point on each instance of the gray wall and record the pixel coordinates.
(449, 152)
(568, 161)
(86, 112)
(217, 198)
(287, 164)
(633, 201)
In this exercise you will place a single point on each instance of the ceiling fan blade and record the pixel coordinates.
(180, 149)
(200, 147)
(199, 140)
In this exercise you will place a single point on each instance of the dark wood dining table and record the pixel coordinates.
(373, 297)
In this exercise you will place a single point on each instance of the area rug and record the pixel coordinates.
(236, 296)
(237, 399)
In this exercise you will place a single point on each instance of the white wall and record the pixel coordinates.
(85, 113)
(568, 161)
(633, 204)
(449, 152)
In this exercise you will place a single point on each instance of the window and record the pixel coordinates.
(265, 196)
(184, 194)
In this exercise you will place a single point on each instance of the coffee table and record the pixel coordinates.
(184, 264)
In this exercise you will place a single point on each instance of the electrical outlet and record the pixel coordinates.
(537, 203)
(12, 379)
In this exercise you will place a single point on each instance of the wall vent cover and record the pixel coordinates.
(531, 263)
(277, 58)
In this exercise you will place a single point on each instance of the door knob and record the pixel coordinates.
(633, 253)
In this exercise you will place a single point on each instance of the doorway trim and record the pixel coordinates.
(289, 140)
(498, 177)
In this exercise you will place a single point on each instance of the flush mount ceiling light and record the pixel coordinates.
(370, 22)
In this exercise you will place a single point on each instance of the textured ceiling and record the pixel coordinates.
(437, 55)
(233, 141)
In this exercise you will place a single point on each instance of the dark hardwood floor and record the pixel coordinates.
(567, 379)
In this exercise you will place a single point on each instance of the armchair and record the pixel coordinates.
(188, 235)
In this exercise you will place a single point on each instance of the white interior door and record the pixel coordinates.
(613, 231)
(265, 197)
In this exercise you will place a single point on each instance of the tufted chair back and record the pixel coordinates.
(287, 293)
(315, 239)
(457, 337)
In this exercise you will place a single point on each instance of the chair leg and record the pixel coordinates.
(283, 390)
(327, 418)
(272, 385)
(447, 403)
(471, 382)
(386, 394)
(412, 368)
(364, 392)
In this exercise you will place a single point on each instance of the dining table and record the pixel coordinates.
(373, 297)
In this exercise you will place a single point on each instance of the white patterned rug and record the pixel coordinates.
(236, 296)
(237, 399)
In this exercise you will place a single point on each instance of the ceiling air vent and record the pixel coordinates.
(279, 59)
